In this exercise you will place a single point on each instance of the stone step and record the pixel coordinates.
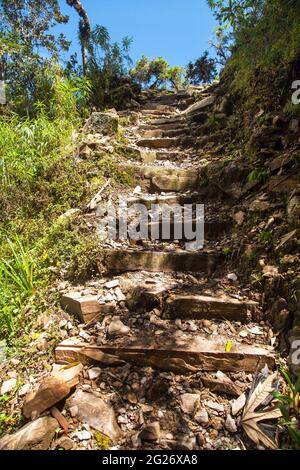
(150, 156)
(202, 104)
(213, 229)
(152, 106)
(181, 353)
(86, 308)
(159, 143)
(167, 179)
(192, 306)
(172, 98)
(155, 112)
(169, 199)
(185, 302)
(167, 232)
(171, 120)
(171, 155)
(160, 133)
(126, 260)
(164, 127)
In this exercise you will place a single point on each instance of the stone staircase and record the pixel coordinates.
(167, 171)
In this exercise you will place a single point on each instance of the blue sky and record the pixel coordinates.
(178, 30)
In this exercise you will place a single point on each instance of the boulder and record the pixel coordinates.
(36, 435)
(102, 123)
(96, 413)
(51, 390)
(117, 328)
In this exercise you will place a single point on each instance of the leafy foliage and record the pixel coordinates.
(263, 38)
(28, 45)
(157, 73)
(203, 70)
(258, 174)
(20, 269)
(289, 406)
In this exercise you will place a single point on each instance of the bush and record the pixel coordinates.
(157, 73)
(203, 70)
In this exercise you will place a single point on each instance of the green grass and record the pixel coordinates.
(20, 269)
(260, 175)
(266, 236)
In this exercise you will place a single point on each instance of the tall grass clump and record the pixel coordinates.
(20, 269)
(36, 154)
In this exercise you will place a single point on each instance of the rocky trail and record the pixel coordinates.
(160, 351)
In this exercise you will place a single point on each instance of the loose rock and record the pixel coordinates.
(230, 424)
(36, 435)
(151, 432)
(96, 413)
(238, 404)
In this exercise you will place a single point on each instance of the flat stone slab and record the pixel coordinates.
(158, 107)
(159, 143)
(160, 133)
(166, 179)
(189, 353)
(179, 119)
(200, 105)
(184, 305)
(96, 413)
(36, 435)
(165, 125)
(153, 112)
(86, 308)
(155, 261)
(212, 229)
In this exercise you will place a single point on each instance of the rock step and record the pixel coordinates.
(177, 125)
(184, 353)
(169, 199)
(192, 306)
(86, 308)
(205, 103)
(171, 179)
(159, 143)
(185, 303)
(155, 112)
(150, 156)
(169, 231)
(213, 229)
(169, 99)
(168, 121)
(152, 106)
(160, 133)
(123, 260)
(170, 155)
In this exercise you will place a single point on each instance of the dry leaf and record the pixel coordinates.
(251, 418)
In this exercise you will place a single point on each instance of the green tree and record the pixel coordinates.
(203, 70)
(108, 65)
(157, 72)
(27, 43)
(84, 30)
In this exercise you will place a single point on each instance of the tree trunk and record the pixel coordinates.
(84, 30)
(2, 81)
